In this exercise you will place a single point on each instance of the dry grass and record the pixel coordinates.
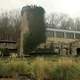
(63, 68)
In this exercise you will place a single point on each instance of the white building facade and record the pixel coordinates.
(65, 41)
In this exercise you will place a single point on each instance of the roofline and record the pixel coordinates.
(7, 41)
(62, 30)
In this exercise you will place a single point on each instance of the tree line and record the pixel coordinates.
(63, 21)
(9, 25)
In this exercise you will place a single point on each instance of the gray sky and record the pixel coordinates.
(70, 7)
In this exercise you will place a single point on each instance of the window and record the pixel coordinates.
(70, 35)
(60, 34)
(77, 36)
(50, 34)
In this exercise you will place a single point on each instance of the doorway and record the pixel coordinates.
(78, 51)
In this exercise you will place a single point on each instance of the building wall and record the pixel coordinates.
(68, 41)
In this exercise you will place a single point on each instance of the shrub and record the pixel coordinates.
(66, 71)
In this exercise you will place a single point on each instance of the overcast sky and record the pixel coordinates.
(70, 7)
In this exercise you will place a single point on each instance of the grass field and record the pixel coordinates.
(42, 68)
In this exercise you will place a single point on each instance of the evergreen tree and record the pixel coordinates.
(36, 24)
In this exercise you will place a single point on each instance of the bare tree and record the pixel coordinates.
(9, 25)
(60, 21)
(77, 24)
(67, 24)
